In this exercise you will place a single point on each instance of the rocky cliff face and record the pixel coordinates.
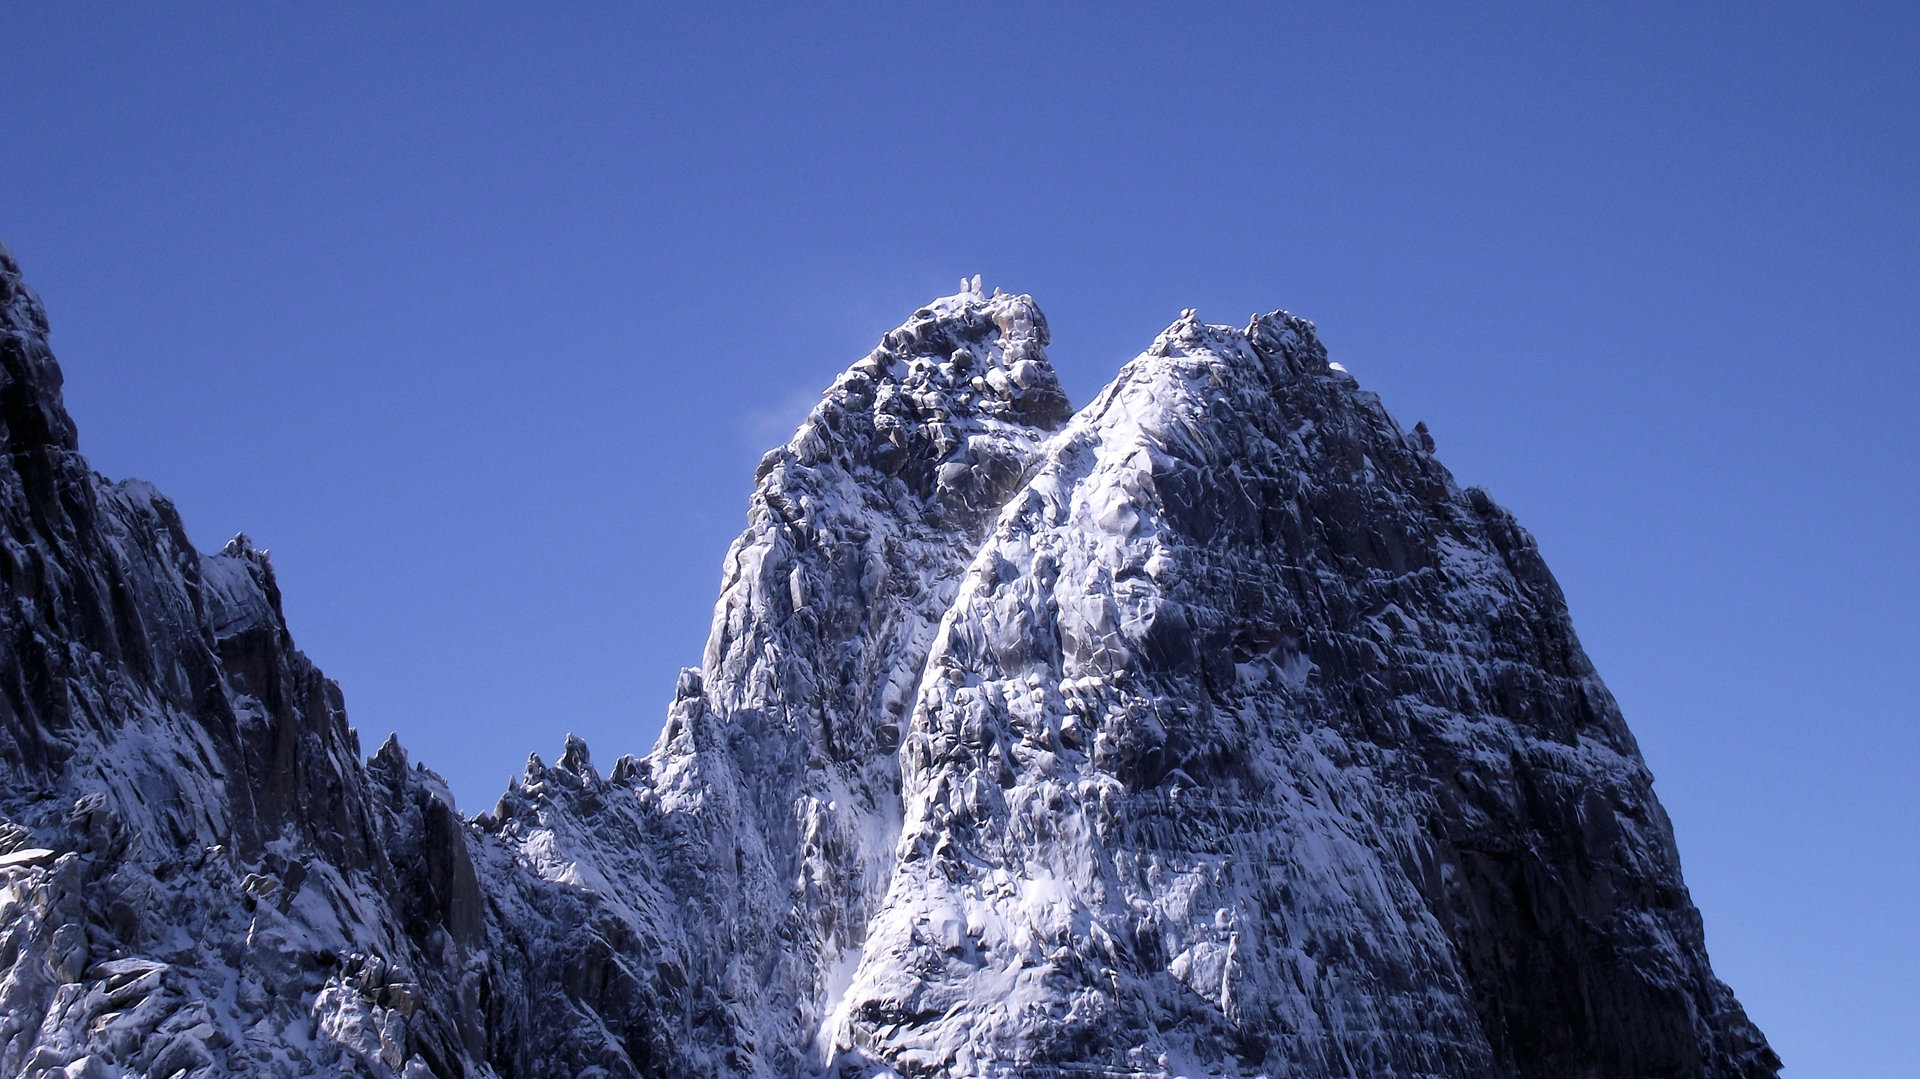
(718, 891)
(199, 871)
(1210, 731)
(1251, 744)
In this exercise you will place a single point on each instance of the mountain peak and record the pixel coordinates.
(1210, 730)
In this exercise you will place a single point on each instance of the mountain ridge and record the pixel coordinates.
(1211, 730)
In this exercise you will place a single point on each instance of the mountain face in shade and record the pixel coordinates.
(1209, 731)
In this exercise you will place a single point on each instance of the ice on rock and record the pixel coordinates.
(1217, 859)
(1212, 730)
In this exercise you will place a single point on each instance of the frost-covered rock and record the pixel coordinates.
(1251, 744)
(197, 849)
(716, 894)
(1211, 731)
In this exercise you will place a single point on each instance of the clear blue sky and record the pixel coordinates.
(479, 317)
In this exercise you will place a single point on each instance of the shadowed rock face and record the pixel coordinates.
(203, 867)
(1211, 730)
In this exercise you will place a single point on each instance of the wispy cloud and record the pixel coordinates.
(772, 424)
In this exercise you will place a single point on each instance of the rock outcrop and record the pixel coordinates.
(1253, 745)
(202, 873)
(1211, 730)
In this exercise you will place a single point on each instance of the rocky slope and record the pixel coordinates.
(1210, 731)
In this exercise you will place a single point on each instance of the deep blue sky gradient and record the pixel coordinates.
(479, 318)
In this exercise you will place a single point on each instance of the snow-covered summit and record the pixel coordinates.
(1211, 730)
